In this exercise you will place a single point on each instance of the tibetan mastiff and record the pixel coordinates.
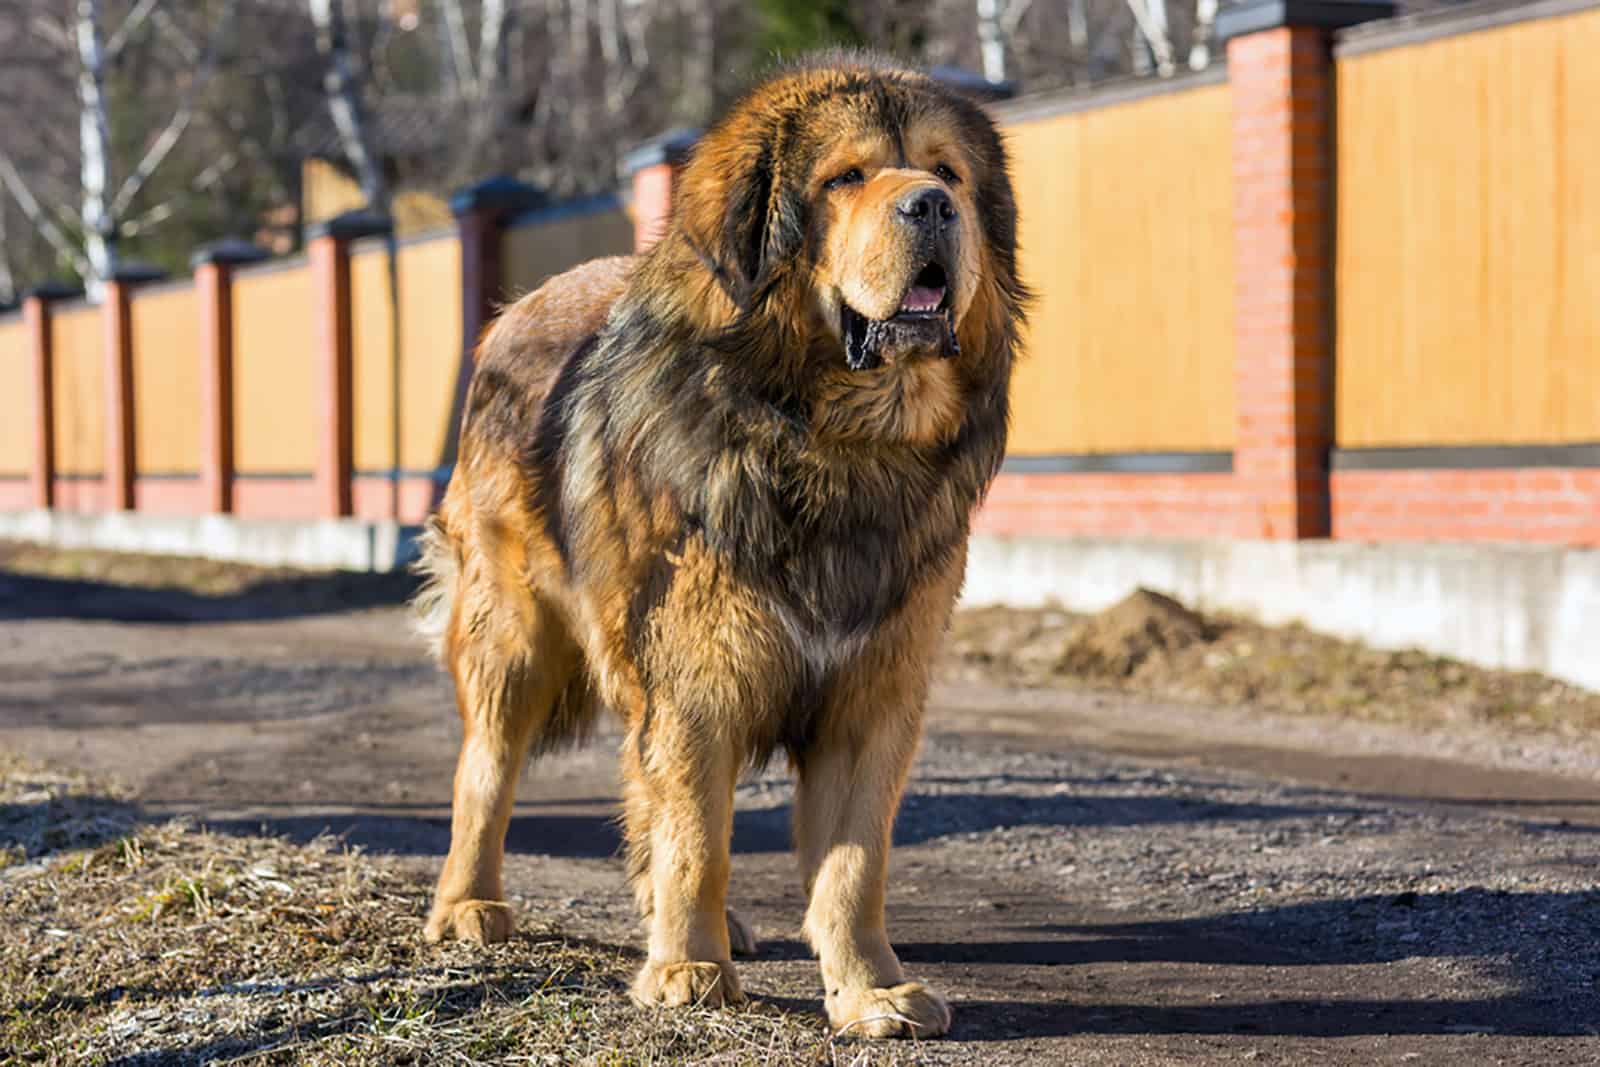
(724, 490)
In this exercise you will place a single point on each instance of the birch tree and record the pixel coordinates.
(106, 210)
(342, 85)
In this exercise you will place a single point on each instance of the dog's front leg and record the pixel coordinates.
(851, 778)
(681, 794)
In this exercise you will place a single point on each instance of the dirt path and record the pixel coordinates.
(1092, 878)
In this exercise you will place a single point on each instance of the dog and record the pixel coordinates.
(724, 489)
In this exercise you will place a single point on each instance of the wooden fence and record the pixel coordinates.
(1344, 288)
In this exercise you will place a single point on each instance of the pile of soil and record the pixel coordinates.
(1116, 642)
(1151, 644)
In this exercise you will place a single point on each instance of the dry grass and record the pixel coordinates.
(141, 944)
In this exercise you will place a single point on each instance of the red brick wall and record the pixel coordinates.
(170, 496)
(1282, 163)
(652, 204)
(1137, 505)
(16, 494)
(279, 498)
(1551, 505)
(374, 497)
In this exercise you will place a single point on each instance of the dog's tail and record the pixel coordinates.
(440, 568)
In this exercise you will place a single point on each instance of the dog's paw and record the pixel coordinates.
(696, 984)
(741, 938)
(484, 922)
(909, 1009)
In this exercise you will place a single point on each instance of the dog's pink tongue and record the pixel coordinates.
(922, 298)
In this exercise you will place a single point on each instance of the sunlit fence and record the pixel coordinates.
(1344, 287)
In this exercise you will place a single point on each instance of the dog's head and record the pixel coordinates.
(861, 205)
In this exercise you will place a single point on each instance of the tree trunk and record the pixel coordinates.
(344, 101)
(990, 40)
(1205, 16)
(94, 143)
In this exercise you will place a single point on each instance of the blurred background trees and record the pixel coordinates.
(137, 129)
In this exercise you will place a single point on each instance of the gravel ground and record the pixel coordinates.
(1093, 876)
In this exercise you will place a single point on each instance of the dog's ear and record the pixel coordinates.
(735, 212)
(742, 246)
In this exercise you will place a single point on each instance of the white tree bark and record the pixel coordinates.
(491, 47)
(1205, 17)
(94, 143)
(1151, 18)
(991, 40)
(344, 102)
(455, 28)
(36, 214)
(1078, 36)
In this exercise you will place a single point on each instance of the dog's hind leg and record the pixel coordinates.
(515, 669)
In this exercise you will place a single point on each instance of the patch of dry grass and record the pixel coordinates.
(205, 576)
(165, 943)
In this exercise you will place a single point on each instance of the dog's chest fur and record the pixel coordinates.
(832, 537)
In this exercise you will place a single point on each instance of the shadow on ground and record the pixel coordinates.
(923, 818)
(35, 829)
(28, 596)
(1542, 1001)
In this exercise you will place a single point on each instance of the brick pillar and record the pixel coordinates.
(36, 319)
(328, 245)
(652, 168)
(1280, 69)
(120, 461)
(213, 286)
(481, 212)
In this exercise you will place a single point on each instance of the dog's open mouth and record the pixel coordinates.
(928, 295)
(925, 320)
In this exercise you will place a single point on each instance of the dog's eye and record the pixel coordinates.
(946, 175)
(850, 177)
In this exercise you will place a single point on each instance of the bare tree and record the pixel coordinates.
(1151, 18)
(106, 208)
(1205, 17)
(343, 88)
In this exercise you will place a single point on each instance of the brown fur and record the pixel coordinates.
(680, 497)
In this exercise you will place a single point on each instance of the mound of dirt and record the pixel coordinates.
(1115, 642)
(1152, 644)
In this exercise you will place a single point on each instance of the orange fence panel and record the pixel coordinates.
(557, 239)
(166, 379)
(1469, 215)
(275, 399)
(428, 313)
(16, 400)
(78, 342)
(1126, 235)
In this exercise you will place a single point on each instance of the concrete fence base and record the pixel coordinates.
(1522, 607)
(341, 544)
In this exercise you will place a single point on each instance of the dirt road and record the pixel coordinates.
(1091, 878)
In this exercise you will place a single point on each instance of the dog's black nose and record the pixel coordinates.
(925, 206)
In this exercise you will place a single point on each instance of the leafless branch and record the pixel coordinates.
(154, 217)
(55, 33)
(491, 45)
(455, 24)
(130, 26)
(1153, 28)
(38, 216)
(176, 125)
